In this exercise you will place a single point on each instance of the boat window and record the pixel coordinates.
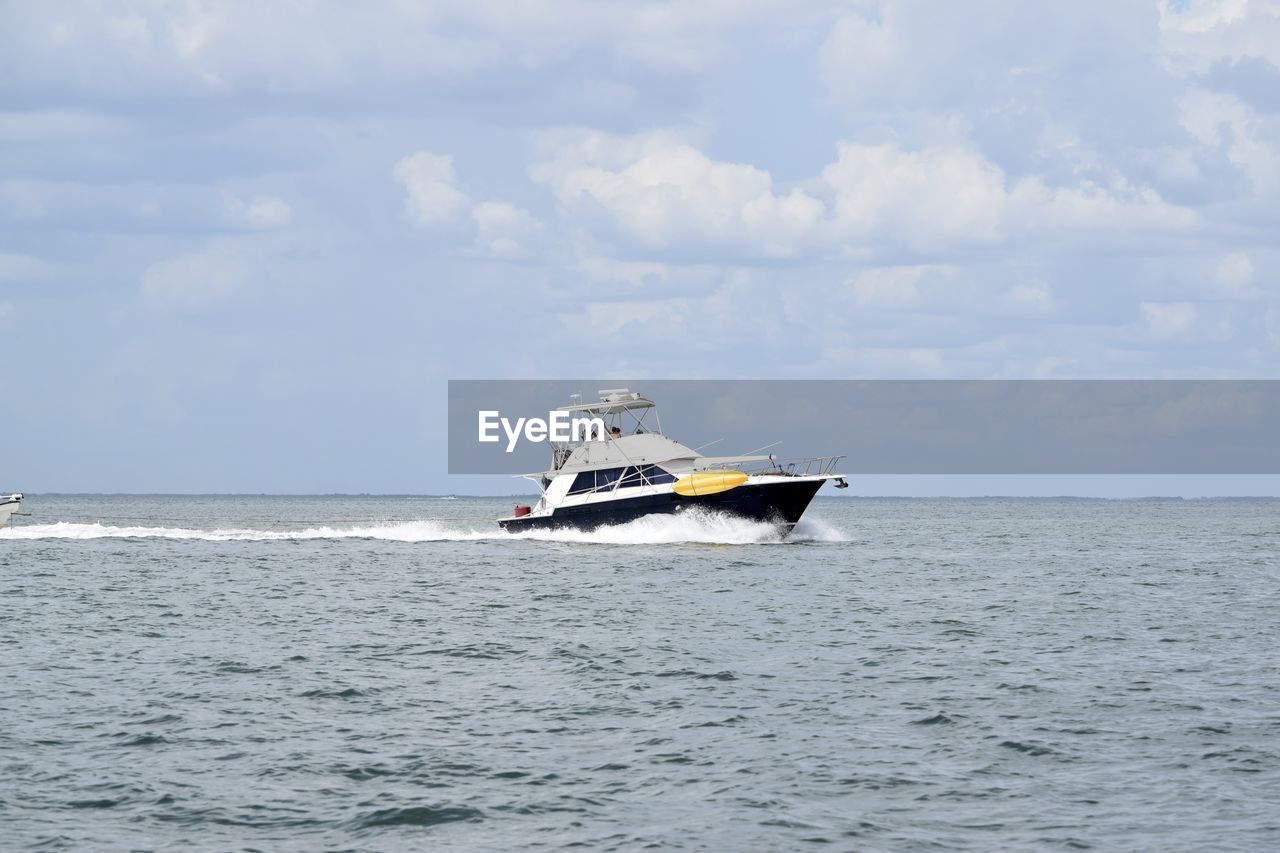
(606, 477)
(657, 475)
(645, 474)
(595, 481)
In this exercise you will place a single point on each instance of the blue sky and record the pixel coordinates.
(242, 246)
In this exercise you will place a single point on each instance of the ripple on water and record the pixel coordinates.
(417, 816)
(304, 673)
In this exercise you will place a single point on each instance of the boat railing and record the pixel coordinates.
(808, 467)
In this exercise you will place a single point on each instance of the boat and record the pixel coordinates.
(616, 478)
(9, 504)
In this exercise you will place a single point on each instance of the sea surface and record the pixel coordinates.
(394, 673)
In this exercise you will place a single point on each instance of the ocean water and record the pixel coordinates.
(381, 673)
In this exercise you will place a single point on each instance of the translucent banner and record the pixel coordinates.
(890, 426)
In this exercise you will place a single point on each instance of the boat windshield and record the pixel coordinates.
(607, 479)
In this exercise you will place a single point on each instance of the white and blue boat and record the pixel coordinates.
(635, 471)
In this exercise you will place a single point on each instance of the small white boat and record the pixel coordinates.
(9, 504)
(619, 478)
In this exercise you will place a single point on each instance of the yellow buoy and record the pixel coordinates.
(701, 483)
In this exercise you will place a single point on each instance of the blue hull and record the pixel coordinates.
(776, 503)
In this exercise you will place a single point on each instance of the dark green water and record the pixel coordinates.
(391, 673)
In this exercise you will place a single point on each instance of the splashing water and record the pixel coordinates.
(410, 531)
(689, 527)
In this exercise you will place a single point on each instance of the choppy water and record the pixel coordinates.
(394, 673)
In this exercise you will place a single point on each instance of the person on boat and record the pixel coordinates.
(615, 432)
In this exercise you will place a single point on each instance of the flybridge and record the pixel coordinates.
(612, 401)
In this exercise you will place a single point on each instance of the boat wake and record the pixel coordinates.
(405, 531)
(709, 528)
(691, 527)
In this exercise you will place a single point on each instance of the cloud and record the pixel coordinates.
(632, 273)
(19, 267)
(1165, 320)
(135, 49)
(898, 362)
(1235, 274)
(196, 281)
(1199, 34)
(917, 198)
(888, 287)
(1223, 123)
(657, 193)
(859, 53)
(1033, 297)
(503, 229)
(116, 204)
(435, 201)
(617, 319)
(261, 212)
(433, 196)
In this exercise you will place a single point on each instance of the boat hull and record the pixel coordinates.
(776, 503)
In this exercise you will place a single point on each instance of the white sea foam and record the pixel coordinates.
(698, 527)
(405, 531)
(690, 527)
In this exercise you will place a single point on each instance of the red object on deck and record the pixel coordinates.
(523, 510)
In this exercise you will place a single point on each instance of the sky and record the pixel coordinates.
(243, 246)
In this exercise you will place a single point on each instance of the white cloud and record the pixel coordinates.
(918, 198)
(897, 362)
(1235, 275)
(503, 229)
(261, 212)
(1032, 297)
(1165, 320)
(1172, 165)
(887, 287)
(19, 267)
(1222, 121)
(1118, 209)
(195, 281)
(1197, 34)
(609, 270)
(434, 198)
(661, 319)
(659, 193)
(26, 199)
(135, 48)
(858, 53)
